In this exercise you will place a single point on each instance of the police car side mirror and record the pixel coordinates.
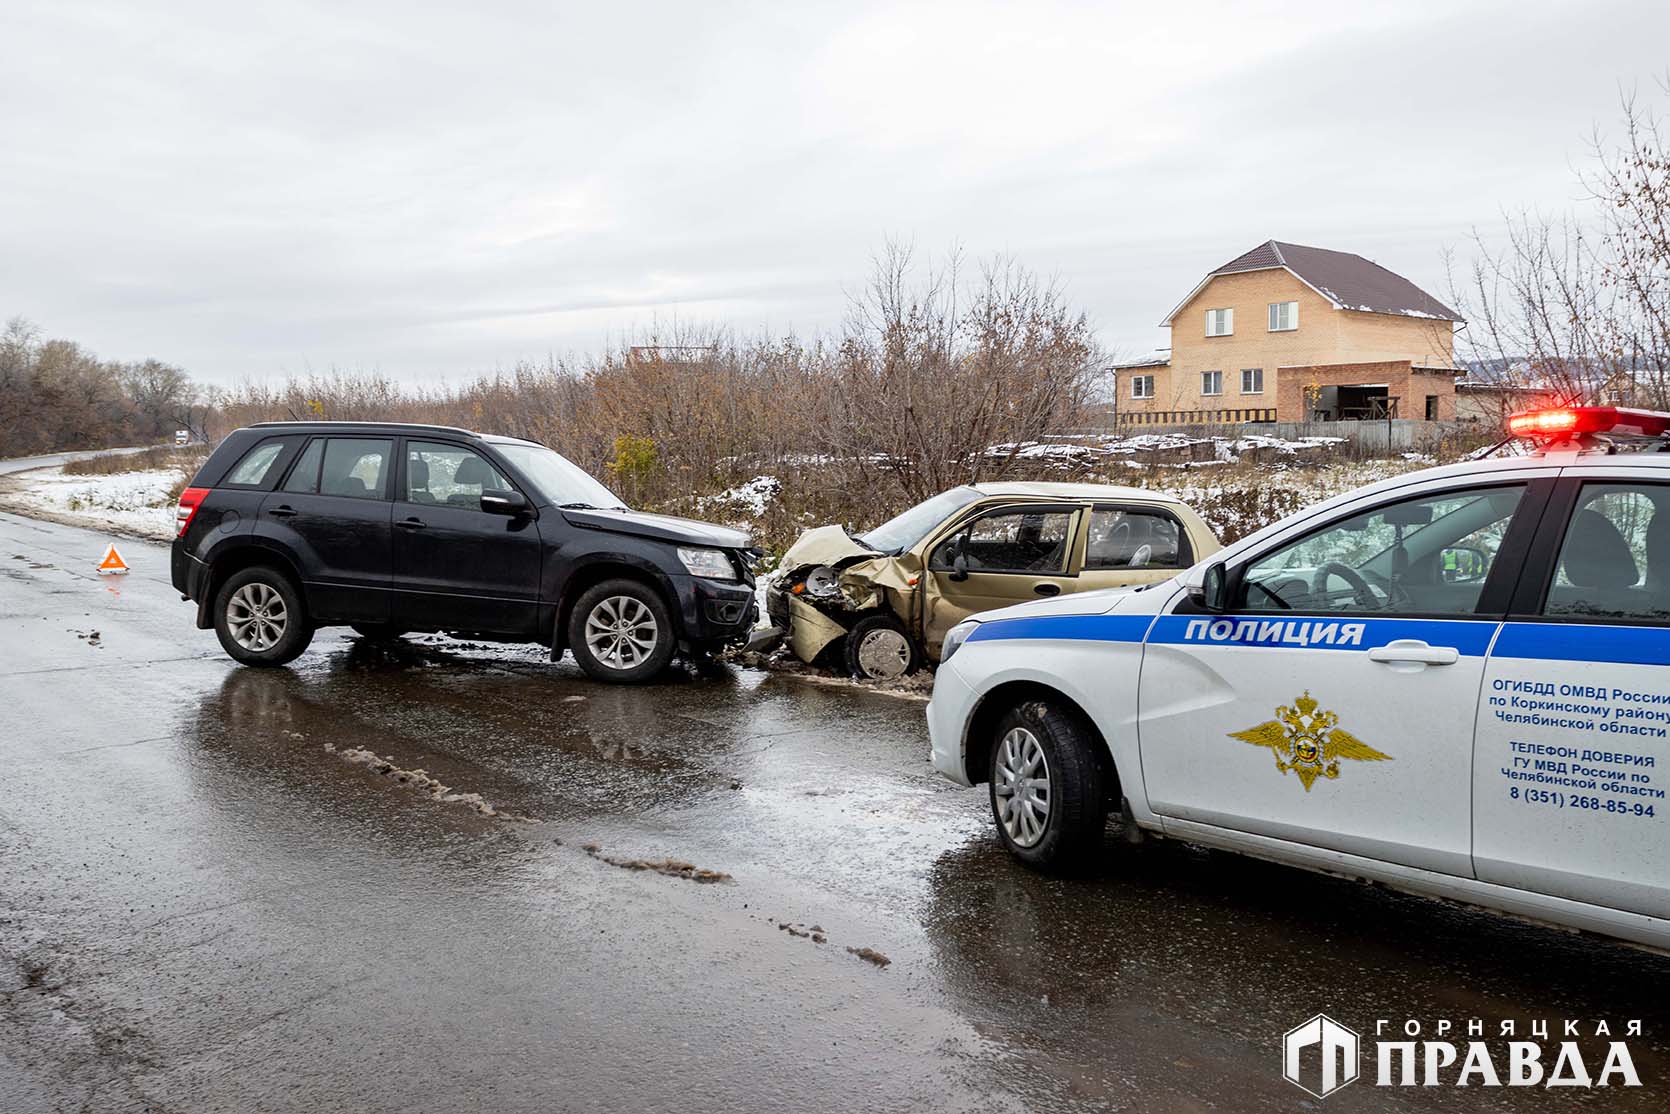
(1211, 592)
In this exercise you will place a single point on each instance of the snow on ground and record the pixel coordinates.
(751, 498)
(130, 502)
(1115, 448)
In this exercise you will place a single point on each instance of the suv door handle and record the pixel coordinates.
(1415, 652)
(1047, 589)
(413, 523)
(283, 510)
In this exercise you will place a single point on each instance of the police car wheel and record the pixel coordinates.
(1046, 788)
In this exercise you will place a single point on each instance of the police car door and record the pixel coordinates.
(1573, 758)
(1332, 703)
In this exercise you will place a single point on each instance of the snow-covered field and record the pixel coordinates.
(136, 503)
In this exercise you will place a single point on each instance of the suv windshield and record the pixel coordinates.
(898, 534)
(559, 480)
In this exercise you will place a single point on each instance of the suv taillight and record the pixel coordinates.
(190, 499)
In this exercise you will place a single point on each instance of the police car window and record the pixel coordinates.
(1425, 556)
(448, 475)
(1134, 538)
(1615, 559)
(355, 467)
(252, 470)
(1010, 541)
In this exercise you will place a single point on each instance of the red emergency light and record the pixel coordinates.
(1561, 422)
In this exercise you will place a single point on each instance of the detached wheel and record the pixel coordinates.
(621, 632)
(260, 618)
(1047, 790)
(378, 632)
(879, 647)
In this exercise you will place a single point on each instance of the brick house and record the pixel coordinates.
(1291, 333)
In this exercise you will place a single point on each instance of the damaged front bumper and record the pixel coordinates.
(828, 582)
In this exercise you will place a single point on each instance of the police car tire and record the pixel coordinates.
(1078, 812)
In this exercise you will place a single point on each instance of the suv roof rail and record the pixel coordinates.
(368, 425)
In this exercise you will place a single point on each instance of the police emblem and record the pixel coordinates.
(1308, 742)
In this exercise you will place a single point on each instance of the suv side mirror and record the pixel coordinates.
(509, 503)
(959, 558)
(1211, 592)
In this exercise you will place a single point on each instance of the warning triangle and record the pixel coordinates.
(112, 560)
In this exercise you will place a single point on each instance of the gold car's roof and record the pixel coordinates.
(1074, 491)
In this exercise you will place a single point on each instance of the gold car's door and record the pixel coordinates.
(1002, 556)
(1127, 543)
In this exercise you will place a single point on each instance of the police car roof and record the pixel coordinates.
(1074, 491)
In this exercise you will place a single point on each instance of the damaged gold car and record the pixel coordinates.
(880, 602)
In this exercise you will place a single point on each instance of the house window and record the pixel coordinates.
(1220, 322)
(1142, 386)
(1252, 380)
(1284, 316)
(1211, 382)
(1431, 408)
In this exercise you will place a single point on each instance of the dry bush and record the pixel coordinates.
(186, 460)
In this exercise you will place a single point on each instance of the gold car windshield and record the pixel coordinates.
(901, 532)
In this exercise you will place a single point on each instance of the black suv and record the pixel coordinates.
(289, 526)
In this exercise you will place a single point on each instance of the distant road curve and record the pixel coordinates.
(25, 463)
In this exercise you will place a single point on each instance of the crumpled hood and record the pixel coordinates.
(825, 545)
(662, 527)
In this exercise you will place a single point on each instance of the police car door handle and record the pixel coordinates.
(1414, 651)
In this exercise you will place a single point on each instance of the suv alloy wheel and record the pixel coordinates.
(621, 631)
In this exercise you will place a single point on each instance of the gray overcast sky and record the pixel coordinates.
(431, 190)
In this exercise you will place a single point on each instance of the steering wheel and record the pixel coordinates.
(1140, 559)
(1360, 591)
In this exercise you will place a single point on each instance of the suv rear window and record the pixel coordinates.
(252, 470)
(356, 467)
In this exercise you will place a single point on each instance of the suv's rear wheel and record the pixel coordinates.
(260, 618)
(1046, 787)
(621, 631)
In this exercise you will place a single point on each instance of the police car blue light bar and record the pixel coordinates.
(1560, 422)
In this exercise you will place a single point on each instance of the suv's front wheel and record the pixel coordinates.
(1047, 790)
(621, 631)
(260, 618)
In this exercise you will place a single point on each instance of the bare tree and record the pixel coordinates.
(938, 382)
(1579, 304)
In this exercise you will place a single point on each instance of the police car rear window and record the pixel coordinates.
(1615, 559)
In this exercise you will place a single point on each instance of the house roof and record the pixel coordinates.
(1346, 280)
(1142, 361)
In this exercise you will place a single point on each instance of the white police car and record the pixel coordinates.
(1453, 682)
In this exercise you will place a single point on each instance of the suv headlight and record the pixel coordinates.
(955, 637)
(711, 563)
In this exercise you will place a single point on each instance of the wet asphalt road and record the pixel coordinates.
(203, 908)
